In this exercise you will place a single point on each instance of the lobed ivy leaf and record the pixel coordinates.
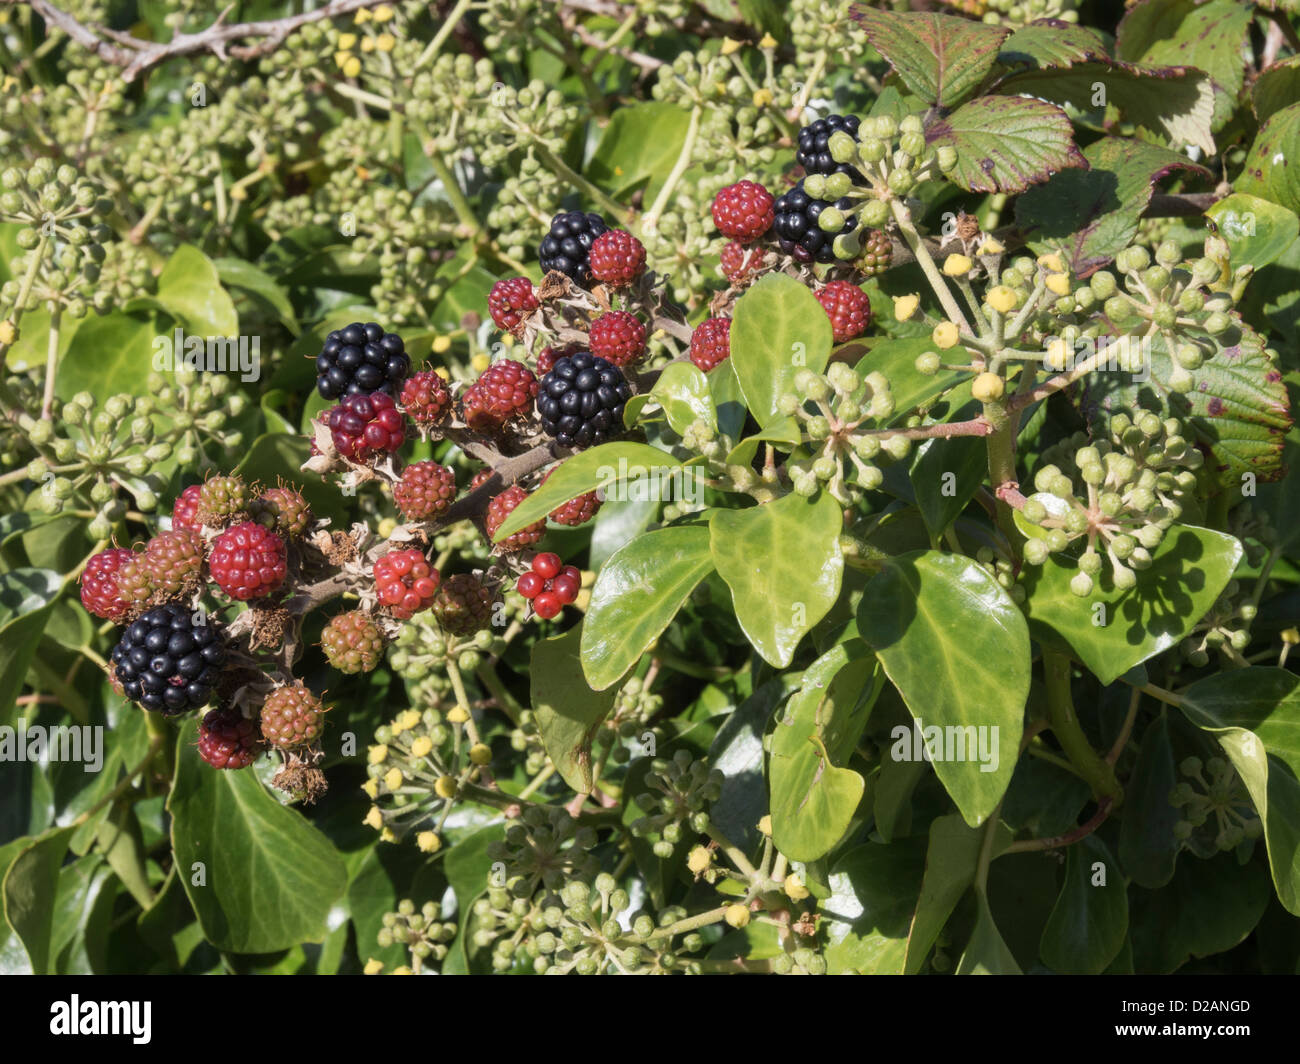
(1112, 631)
(568, 710)
(1006, 143)
(189, 289)
(109, 354)
(639, 146)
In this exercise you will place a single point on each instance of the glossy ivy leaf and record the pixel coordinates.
(945, 476)
(1147, 846)
(911, 389)
(1239, 407)
(814, 796)
(27, 599)
(30, 887)
(110, 354)
(957, 649)
(1276, 87)
(784, 430)
(728, 400)
(616, 524)
(1208, 907)
(1255, 715)
(1006, 143)
(1269, 169)
(1092, 214)
(640, 144)
(951, 858)
(468, 867)
(617, 470)
(1173, 106)
(568, 710)
(940, 58)
(1257, 231)
(636, 595)
(259, 875)
(986, 952)
(1111, 631)
(866, 917)
(777, 329)
(189, 288)
(779, 593)
(683, 391)
(1089, 923)
(237, 273)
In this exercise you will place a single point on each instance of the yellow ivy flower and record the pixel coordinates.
(352, 67)
(480, 362)
(1002, 298)
(945, 335)
(347, 41)
(1058, 284)
(378, 754)
(445, 787)
(373, 967)
(393, 778)
(1052, 262)
(794, 888)
(729, 46)
(957, 266)
(367, 44)
(428, 841)
(406, 720)
(768, 41)
(374, 818)
(457, 715)
(422, 746)
(480, 754)
(8, 332)
(442, 371)
(765, 825)
(385, 42)
(387, 835)
(905, 307)
(988, 387)
(762, 97)
(371, 787)
(737, 915)
(990, 245)
(1057, 355)
(699, 859)
(382, 13)
(441, 345)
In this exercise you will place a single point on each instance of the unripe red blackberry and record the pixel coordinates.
(497, 512)
(506, 389)
(99, 592)
(549, 585)
(425, 490)
(353, 642)
(248, 561)
(174, 561)
(848, 308)
(222, 500)
(617, 337)
(282, 510)
(511, 301)
(292, 716)
(577, 511)
(740, 261)
(186, 508)
(228, 739)
(425, 397)
(405, 582)
(363, 426)
(464, 605)
(711, 343)
(135, 580)
(547, 357)
(743, 211)
(617, 257)
(480, 478)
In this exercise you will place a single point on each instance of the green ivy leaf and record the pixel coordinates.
(986, 953)
(238, 273)
(1188, 571)
(1089, 923)
(779, 594)
(1147, 846)
(786, 430)
(1255, 715)
(189, 288)
(1006, 143)
(728, 400)
(945, 476)
(109, 355)
(940, 58)
(957, 649)
(568, 710)
(636, 595)
(866, 917)
(27, 599)
(813, 796)
(1257, 231)
(269, 878)
(30, 887)
(467, 866)
(624, 467)
(778, 328)
(683, 391)
(640, 145)
(1269, 171)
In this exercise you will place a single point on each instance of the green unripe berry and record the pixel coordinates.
(841, 146)
(928, 363)
(875, 213)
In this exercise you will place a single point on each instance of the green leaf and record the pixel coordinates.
(568, 710)
(108, 355)
(640, 144)
(1269, 171)
(1112, 631)
(945, 475)
(616, 470)
(26, 602)
(1147, 846)
(778, 328)
(1090, 215)
(728, 400)
(1257, 231)
(986, 953)
(1255, 715)
(683, 391)
(779, 594)
(30, 888)
(1089, 923)
(276, 456)
(238, 273)
(189, 288)
(911, 389)
(940, 58)
(1239, 407)
(1276, 87)
(260, 877)
(813, 796)
(957, 649)
(636, 595)
(1006, 143)
(786, 430)
(467, 865)
(1209, 907)
(951, 858)
(1054, 44)
(873, 895)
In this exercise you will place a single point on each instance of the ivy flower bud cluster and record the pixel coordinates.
(679, 792)
(1216, 812)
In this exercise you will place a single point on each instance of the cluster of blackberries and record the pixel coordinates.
(581, 400)
(167, 662)
(361, 359)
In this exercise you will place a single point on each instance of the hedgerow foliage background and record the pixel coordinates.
(950, 511)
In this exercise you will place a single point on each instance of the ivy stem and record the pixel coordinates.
(562, 170)
(651, 220)
(51, 364)
(444, 31)
(922, 254)
(1099, 774)
(464, 212)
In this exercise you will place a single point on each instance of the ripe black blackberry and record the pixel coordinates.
(814, 153)
(166, 662)
(581, 400)
(796, 227)
(567, 247)
(361, 359)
